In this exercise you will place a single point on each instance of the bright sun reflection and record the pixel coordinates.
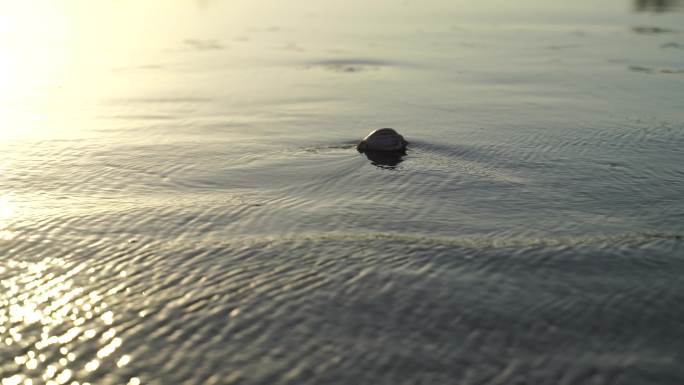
(46, 319)
(31, 37)
(32, 58)
(57, 58)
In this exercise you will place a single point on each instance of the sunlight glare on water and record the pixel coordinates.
(59, 321)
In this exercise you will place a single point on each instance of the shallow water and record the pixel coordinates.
(181, 200)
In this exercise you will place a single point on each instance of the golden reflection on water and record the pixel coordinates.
(50, 324)
(56, 58)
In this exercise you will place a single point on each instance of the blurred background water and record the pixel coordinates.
(181, 201)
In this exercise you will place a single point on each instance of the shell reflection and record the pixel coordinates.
(56, 331)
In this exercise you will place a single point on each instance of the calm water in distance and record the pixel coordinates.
(181, 201)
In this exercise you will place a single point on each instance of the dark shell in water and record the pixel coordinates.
(384, 139)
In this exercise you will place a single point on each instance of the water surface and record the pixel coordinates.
(181, 201)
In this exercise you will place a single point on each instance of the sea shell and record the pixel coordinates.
(383, 139)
